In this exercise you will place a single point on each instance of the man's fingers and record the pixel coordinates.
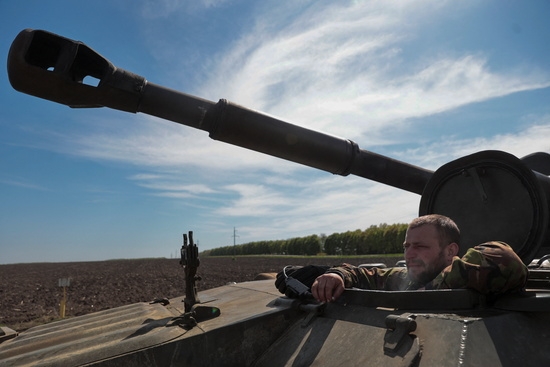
(338, 292)
(315, 290)
(327, 287)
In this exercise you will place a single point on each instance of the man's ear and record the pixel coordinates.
(452, 250)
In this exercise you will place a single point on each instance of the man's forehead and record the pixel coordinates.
(425, 231)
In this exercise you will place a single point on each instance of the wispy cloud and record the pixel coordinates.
(334, 67)
(530, 139)
(344, 63)
(23, 183)
(152, 9)
(256, 200)
(342, 204)
(332, 203)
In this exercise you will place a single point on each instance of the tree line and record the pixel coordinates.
(377, 239)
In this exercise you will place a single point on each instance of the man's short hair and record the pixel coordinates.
(446, 227)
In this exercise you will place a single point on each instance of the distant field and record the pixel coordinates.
(30, 295)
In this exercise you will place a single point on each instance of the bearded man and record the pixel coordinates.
(430, 249)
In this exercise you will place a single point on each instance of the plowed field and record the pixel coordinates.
(30, 294)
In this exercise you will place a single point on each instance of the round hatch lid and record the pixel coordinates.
(492, 196)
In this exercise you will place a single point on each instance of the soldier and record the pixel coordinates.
(430, 249)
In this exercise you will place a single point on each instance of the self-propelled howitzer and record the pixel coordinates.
(484, 192)
(492, 195)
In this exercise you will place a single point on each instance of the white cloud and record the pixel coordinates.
(21, 182)
(256, 200)
(333, 203)
(335, 68)
(151, 9)
(528, 140)
(165, 145)
(339, 69)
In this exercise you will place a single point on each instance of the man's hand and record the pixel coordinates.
(327, 287)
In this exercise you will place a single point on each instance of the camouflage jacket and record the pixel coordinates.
(489, 268)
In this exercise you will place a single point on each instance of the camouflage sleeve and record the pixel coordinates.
(490, 268)
(374, 278)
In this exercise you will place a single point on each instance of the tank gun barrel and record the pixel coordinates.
(483, 192)
(48, 66)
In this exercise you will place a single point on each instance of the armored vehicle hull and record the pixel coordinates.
(258, 327)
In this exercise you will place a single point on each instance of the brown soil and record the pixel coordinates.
(30, 295)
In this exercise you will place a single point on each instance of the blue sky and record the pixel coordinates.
(424, 82)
